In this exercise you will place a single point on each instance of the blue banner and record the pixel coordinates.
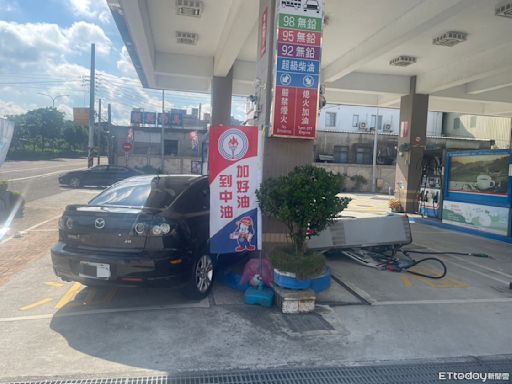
(298, 66)
(297, 80)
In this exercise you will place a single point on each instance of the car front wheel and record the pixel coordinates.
(201, 278)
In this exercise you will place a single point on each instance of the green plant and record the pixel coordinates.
(342, 181)
(3, 185)
(359, 181)
(311, 263)
(303, 200)
(395, 205)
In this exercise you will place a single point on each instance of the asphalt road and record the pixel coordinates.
(38, 179)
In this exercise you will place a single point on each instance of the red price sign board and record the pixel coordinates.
(235, 175)
(127, 147)
(296, 94)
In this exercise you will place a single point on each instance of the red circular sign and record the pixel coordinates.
(127, 147)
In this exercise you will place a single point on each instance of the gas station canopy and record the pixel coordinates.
(459, 50)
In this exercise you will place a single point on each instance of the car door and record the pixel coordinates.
(96, 176)
(117, 173)
(194, 204)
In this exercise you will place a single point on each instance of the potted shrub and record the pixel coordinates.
(395, 205)
(305, 201)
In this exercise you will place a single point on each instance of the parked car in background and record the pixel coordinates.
(101, 175)
(146, 230)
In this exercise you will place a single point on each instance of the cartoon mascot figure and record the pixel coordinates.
(244, 234)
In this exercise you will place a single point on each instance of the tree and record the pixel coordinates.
(44, 123)
(304, 200)
(75, 135)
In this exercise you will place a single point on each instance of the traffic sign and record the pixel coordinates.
(127, 147)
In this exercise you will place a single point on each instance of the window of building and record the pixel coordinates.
(373, 121)
(341, 154)
(363, 155)
(355, 120)
(330, 119)
(456, 123)
(472, 122)
(171, 147)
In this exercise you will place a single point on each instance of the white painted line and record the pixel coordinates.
(447, 301)
(201, 304)
(32, 169)
(468, 268)
(482, 266)
(44, 175)
(29, 229)
(478, 272)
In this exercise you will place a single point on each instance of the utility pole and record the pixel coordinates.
(374, 162)
(99, 131)
(110, 141)
(162, 149)
(91, 107)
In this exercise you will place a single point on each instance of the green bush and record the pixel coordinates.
(3, 185)
(342, 182)
(359, 181)
(303, 200)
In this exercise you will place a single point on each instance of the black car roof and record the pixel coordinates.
(171, 179)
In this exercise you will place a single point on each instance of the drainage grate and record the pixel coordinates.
(307, 322)
(418, 373)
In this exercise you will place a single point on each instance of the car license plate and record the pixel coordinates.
(96, 270)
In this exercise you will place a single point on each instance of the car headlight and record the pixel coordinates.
(69, 223)
(165, 228)
(156, 230)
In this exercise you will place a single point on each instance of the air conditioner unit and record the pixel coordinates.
(387, 127)
(362, 125)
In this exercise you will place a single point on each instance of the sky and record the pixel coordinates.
(45, 48)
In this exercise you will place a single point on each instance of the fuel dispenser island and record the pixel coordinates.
(478, 191)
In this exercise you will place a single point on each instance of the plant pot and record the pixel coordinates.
(321, 282)
(289, 280)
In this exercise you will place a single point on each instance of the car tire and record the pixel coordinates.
(75, 182)
(200, 281)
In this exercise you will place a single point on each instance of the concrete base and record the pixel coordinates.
(294, 301)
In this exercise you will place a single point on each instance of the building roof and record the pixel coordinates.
(360, 39)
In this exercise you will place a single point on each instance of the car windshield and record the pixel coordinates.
(147, 193)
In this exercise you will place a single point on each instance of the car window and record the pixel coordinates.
(195, 199)
(146, 193)
(118, 169)
(99, 168)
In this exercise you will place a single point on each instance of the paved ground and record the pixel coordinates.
(37, 179)
(51, 328)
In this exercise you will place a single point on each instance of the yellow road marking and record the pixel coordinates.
(36, 304)
(69, 295)
(446, 282)
(109, 296)
(405, 281)
(55, 284)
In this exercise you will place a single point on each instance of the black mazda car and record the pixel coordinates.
(101, 175)
(145, 230)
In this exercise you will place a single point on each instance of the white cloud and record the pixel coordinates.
(124, 64)
(33, 43)
(96, 9)
(10, 108)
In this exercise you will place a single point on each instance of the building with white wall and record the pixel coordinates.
(353, 118)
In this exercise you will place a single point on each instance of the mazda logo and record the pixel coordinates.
(99, 223)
